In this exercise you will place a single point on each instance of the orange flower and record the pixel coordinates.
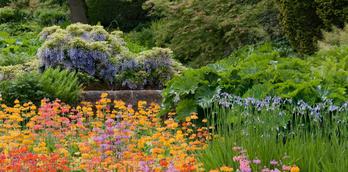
(164, 163)
(295, 169)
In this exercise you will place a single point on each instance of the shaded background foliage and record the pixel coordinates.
(122, 14)
(200, 32)
(304, 20)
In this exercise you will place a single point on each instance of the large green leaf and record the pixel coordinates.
(205, 94)
(185, 108)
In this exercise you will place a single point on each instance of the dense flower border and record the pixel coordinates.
(105, 136)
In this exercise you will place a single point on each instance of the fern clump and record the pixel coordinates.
(33, 86)
(92, 50)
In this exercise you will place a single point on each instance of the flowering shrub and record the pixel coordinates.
(93, 50)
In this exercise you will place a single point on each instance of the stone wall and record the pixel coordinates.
(128, 96)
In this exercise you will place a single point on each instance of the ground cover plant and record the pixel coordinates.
(17, 49)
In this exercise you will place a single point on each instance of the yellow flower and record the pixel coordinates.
(16, 101)
(214, 170)
(194, 116)
(295, 169)
(85, 156)
(226, 168)
(157, 151)
(63, 152)
(188, 119)
(103, 95)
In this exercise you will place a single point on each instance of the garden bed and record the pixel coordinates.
(129, 96)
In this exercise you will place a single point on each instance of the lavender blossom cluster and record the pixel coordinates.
(110, 140)
(92, 50)
(151, 68)
(227, 100)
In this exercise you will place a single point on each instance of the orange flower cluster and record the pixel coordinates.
(105, 136)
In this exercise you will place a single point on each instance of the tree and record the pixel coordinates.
(201, 32)
(122, 14)
(304, 20)
(78, 10)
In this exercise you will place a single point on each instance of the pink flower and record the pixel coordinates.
(265, 170)
(275, 170)
(244, 166)
(273, 162)
(257, 161)
(236, 149)
(286, 168)
(236, 158)
(37, 127)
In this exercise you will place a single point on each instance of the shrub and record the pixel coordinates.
(86, 48)
(25, 88)
(201, 32)
(302, 34)
(20, 4)
(33, 87)
(259, 73)
(61, 84)
(8, 14)
(322, 14)
(51, 16)
(149, 36)
(12, 71)
(17, 49)
(4, 2)
(21, 28)
(337, 37)
(7, 60)
(135, 41)
(332, 12)
(54, 2)
(123, 14)
(105, 56)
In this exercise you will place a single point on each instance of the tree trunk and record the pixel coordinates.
(78, 11)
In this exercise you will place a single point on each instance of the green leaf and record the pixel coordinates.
(185, 108)
(205, 94)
